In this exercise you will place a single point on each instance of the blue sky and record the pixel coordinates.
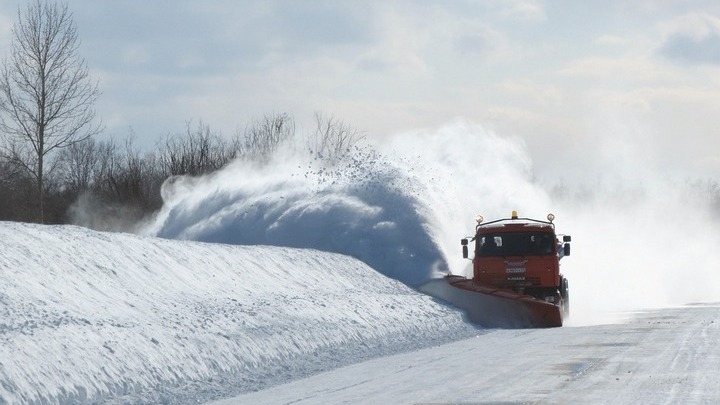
(628, 80)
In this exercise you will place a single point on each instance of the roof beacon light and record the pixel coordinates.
(550, 217)
(479, 219)
(514, 215)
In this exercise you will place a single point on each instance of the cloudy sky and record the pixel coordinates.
(630, 80)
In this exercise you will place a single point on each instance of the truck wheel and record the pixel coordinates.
(565, 294)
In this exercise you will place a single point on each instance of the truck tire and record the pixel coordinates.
(565, 294)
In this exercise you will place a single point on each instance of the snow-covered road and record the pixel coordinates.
(661, 356)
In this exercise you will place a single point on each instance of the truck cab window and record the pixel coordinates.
(516, 244)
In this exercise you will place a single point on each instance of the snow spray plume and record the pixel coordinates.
(466, 170)
(364, 207)
(90, 212)
(403, 210)
(643, 238)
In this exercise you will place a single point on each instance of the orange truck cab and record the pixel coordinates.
(521, 255)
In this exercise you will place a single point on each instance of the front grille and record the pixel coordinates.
(522, 281)
(533, 280)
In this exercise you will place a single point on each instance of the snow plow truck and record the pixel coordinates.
(516, 274)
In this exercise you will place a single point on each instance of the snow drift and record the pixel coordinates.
(90, 316)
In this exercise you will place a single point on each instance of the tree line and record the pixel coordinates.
(120, 181)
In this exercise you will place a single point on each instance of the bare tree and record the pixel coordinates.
(15, 189)
(332, 138)
(198, 151)
(84, 166)
(46, 95)
(264, 136)
(132, 178)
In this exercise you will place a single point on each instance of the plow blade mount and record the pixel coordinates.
(492, 307)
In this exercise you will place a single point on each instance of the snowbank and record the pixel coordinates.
(92, 316)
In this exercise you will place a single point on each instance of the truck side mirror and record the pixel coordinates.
(567, 238)
(465, 252)
(566, 249)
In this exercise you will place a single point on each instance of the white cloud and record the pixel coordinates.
(612, 40)
(399, 46)
(529, 10)
(692, 38)
(524, 91)
(135, 55)
(620, 69)
(695, 25)
(484, 42)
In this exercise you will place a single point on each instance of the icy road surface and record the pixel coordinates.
(663, 356)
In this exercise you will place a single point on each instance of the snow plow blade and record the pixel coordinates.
(492, 307)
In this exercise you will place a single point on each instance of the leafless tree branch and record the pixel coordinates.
(46, 94)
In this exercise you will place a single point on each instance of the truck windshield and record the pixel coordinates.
(515, 244)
